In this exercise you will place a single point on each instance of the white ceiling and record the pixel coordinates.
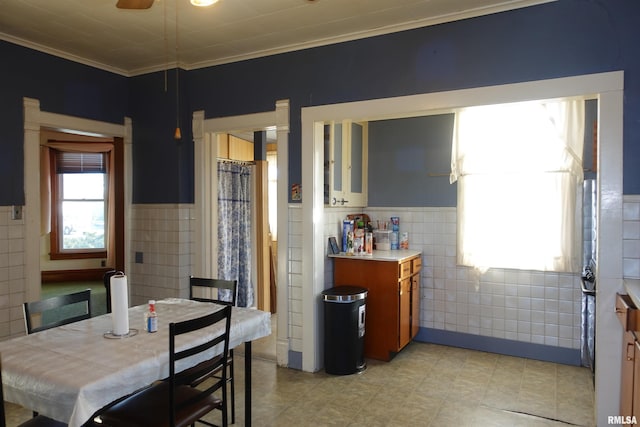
(132, 42)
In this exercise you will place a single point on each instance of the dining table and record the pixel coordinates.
(72, 371)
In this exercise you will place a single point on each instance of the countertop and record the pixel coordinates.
(398, 255)
(633, 289)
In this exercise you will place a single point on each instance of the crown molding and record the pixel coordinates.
(419, 23)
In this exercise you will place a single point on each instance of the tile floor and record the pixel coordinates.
(425, 385)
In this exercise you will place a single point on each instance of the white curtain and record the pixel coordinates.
(519, 173)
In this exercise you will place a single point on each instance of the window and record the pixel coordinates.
(518, 167)
(79, 193)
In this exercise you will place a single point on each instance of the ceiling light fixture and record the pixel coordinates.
(203, 3)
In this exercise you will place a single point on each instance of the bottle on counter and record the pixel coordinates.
(368, 243)
(151, 318)
(395, 232)
(358, 239)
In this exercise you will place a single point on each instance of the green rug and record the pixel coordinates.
(98, 299)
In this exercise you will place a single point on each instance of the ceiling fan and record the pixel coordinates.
(134, 4)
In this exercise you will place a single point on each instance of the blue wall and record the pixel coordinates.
(410, 158)
(410, 161)
(563, 38)
(63, 87)
(558, 39)
(163, 167)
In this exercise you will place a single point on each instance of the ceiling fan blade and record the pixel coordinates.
(134, 4)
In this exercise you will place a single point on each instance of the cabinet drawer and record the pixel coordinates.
(405, 269)
(627, 313)
(416, 264)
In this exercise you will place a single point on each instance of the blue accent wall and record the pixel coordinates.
(557, 39)
(63, 87)
(163, 166)
(410, 161)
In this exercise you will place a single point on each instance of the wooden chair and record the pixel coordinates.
(218, 291)
(81, 299)
(38, 421)
(174, 402)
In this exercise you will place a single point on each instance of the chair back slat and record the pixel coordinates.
(209, 366)
(80, 299)
(213, 290)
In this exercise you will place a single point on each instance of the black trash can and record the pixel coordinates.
(344, 327)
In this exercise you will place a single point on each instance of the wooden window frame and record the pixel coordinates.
(56, 251)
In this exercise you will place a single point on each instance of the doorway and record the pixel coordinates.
(607, 87)
(205, 160)
(35, 123)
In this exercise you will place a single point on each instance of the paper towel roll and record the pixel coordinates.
(119, 304)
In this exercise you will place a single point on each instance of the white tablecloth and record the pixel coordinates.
(70, 372)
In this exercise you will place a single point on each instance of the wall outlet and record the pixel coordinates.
(16, 212)
(139, 258)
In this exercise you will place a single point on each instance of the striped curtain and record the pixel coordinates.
(234, 227)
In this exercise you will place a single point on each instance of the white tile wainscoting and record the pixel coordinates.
(631, 237)
(527, 306)
(163, 235)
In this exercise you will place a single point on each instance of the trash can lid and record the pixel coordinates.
(344, 294)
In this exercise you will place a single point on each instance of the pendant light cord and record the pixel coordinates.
(166, 47)
(177, 134)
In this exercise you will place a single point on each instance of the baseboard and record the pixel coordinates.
(91, 274)
(295, 360)
(566, 356)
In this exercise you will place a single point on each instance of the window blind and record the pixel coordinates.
(72, 162)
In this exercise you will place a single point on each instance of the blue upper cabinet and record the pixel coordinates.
(346, 159)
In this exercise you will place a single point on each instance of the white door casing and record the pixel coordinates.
(606, 87)
(205, 182)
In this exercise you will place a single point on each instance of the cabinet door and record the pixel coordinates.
(415, 304)
(345, 165)
(626, 383)
(636, 378)
(404, 333)
(333, 163)
(358, 155)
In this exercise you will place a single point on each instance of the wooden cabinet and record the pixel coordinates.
(635, 401)
(393, 300)
(416, 266)
(345, 165)
(630, 374)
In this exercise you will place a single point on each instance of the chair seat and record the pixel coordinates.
(143, 409)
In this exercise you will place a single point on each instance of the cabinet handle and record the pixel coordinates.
(629, 351)
(619, 310)
(342, 201)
